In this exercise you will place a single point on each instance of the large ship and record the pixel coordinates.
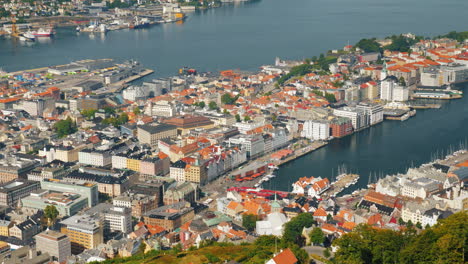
(47, 32)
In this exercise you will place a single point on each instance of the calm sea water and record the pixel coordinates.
(388, 148)
(248, 35)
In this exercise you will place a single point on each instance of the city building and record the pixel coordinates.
(13, 168)
(113, 218)
(316, 130)
(170, 217)
(5, 227)
(254, 145)
(189, 122)
(392, 90)
(151, 134)
(85, 189)
(34, 107)
(358, 116)
(340, 127)
(67, 204)
(25, 230)
(96, 158)
(84, 231)
(12, 192)
(55, 243)
(373, 111)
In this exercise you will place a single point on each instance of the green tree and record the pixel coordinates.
(65, 127)
(202, 104)
(51, 212)
(249, 221)
(326, 253)
(400, 43)
(316, 236)
(274, 117)
(330, 97)
(400, 221)
(212, 105)
(142, 248)
(443, 243)
(137, 110)
(228, 99)
(246, 118)
(109, 110)
(238, 118)
(266, 240)
(402, 81)
(293, 229)
(89, 113)
(368, 45)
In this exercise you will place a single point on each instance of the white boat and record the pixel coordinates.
(27, 37)
(43, 32)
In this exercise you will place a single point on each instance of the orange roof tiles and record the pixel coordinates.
(285, 257)
(320, 212)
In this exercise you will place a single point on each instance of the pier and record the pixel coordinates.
(301, 152)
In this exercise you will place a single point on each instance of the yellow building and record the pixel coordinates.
(4, 227)
(196, 174)
(84, 231)
(133, 164)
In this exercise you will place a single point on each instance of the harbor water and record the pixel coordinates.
(250, 34)
(244, 35)
(390, 147)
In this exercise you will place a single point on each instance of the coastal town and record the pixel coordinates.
(29, 20)
(96, 167)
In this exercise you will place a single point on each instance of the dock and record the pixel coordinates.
(425, 106)
(343, 181)
(301, 152)
(138, 76)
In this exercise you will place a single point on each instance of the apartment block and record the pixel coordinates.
(55, 243)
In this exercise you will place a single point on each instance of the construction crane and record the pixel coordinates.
(14, 29)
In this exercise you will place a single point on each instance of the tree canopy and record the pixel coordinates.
(400, 43)
(212, 105)
(65, 127)
(368, 45)
(316, 236)
(459, 36)
(293, 229)
(51, 213)
(228, 99)
(443, 243)
(249, 221)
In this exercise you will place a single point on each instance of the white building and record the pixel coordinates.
(34, 107)
(316, 130)
(134, 93)
(272, 225)
(177, 171)
(94, 157)
(118, 219)
(391, 90)
(358, 117)
(254, 145)
(374, 112)
(419, 188)
(244, 127)
(161, 108)
(400, 93)
(119, 162)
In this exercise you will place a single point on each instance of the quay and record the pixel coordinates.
(425, 106)
(343, 181)
(301, 152)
